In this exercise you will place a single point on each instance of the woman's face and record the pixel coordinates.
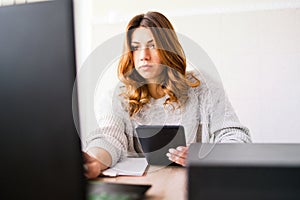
(145, 55)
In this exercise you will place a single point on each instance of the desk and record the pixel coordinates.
(168, 183)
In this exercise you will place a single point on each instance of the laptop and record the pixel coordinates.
(244, 171)
(40, 147)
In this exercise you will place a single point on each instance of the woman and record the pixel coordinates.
(156, 89)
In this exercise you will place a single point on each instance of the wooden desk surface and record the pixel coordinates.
(167, 182)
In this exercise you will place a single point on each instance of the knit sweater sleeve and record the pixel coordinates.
(110, 134)
(219, 120)
(224, 123)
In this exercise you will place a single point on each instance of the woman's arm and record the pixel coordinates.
(224, 124)
(106, 145)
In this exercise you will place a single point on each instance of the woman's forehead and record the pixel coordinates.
(142, 35)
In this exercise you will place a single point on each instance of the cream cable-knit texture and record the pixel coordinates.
(207, 109)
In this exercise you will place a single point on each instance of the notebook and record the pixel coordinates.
(128, 167)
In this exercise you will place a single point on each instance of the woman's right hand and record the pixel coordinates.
(96, 160)
(92, 166)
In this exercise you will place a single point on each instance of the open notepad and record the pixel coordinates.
(128, 167)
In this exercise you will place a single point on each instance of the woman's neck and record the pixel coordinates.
(155, 90)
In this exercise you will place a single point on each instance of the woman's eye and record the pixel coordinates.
(152, 46)
(134, 48)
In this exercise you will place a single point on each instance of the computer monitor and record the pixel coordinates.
(244, 171)
(40, 148)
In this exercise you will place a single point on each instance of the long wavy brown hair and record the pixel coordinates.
(173, 79)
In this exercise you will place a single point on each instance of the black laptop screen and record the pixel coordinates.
(40, 148)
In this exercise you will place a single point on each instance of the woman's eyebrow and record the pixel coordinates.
(137, 42)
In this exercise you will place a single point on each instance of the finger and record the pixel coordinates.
(181, 161)
(182, 154)
(85, 167)
(182, 149)
(177, 159)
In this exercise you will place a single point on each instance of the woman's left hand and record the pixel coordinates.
(178, 155)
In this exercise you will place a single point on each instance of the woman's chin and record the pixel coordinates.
(148, 76)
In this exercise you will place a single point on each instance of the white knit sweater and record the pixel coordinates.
(206, 117)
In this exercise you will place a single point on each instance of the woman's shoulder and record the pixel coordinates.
(208, 84)
(120, 101)
(119, 93)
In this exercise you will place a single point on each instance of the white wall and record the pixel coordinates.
(255, 46)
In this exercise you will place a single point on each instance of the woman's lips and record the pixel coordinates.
(145, 67)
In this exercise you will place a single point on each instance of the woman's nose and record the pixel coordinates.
(145, 54)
